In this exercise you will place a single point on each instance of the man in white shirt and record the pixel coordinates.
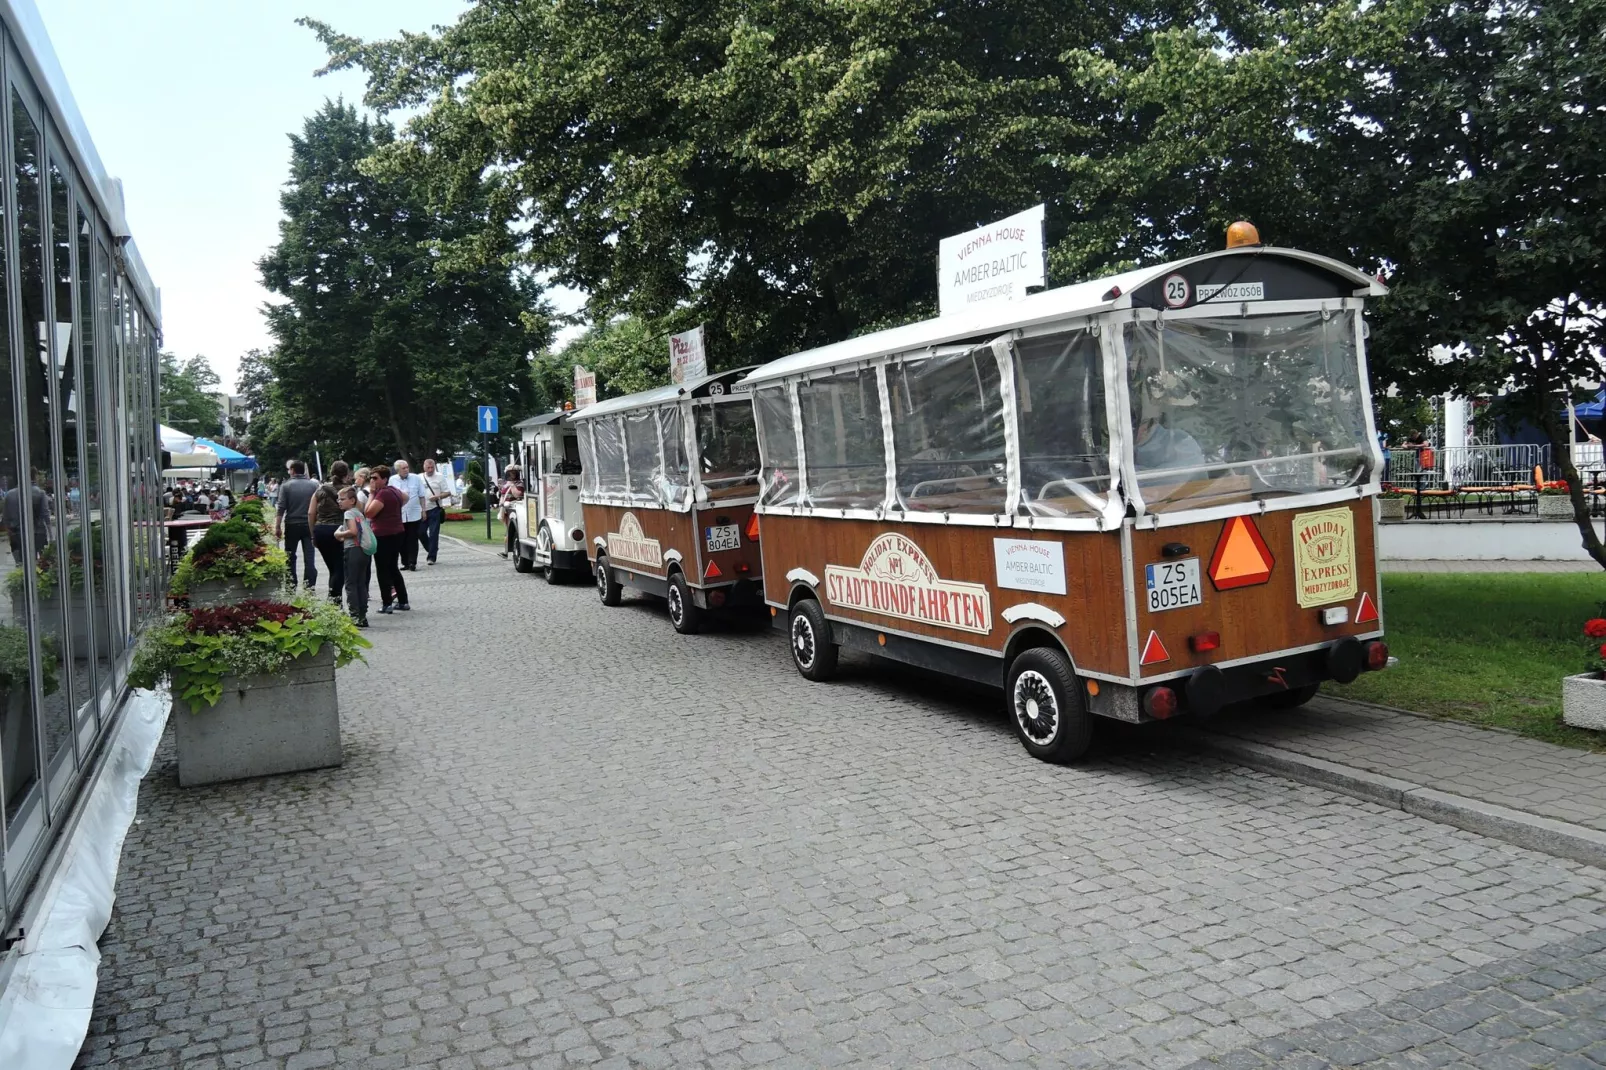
(404, 480)
(437, 496)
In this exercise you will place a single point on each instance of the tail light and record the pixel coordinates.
(1204, 641)
(1377, 655)
(752, 528)
(578, 534)
(1160, 702)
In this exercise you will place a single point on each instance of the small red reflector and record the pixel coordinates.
(712, 572)
(1366, 612)
(1204, 641)
(1160, 702)
(752, 527)
(743, 566)
(1377, 656)
(1154, 651)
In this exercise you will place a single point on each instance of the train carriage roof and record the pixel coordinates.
(1312, 272)
(715, 384)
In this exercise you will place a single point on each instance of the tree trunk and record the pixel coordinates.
(1561, 448)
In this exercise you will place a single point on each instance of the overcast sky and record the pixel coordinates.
(190, 103)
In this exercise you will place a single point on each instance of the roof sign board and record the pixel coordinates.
(687, 358)
(585, 387)
(992, 263)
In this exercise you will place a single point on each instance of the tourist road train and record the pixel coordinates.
(1138, 497)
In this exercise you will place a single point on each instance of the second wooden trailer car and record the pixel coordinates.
(670, 478)
(1134, 497)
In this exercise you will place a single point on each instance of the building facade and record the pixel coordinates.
(79, 454)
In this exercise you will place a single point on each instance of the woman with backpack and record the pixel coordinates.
(358, 543)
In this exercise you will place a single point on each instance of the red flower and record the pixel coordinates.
(1595, 629)
(1603, 650)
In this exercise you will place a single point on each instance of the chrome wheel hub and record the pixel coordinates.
(1036, 709)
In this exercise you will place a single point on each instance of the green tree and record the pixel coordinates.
(474, 485)
(186, 404)
(780, 171)
(627, 354)
(383, 347)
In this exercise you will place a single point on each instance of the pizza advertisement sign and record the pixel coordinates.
(1324, 557)
(896, 579)
(630, 543)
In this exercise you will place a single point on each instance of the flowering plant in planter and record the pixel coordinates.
(1595, 642)
(230, 550)
(44, 571)
(1554, 486)
(197, 649)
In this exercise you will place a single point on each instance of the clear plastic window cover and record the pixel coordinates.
(675, 485)
(641, 454)
(727, 447)
(1234, 410)
(779, 479)
(608, 437)
(1063, 435)
(948, 432)
(844, 452)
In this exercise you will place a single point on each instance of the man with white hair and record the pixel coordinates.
(409, 483)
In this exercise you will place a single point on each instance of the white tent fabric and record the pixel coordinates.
(177, 441)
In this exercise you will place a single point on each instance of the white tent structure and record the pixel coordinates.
(188, 459)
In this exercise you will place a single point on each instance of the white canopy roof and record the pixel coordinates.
(174, 441)
(1065, 302)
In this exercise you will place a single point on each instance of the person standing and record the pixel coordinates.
(437, 495)
(384, 512)
(411, 485)
(291, 522)
(508, 496)
(326, 516)
(357, 560)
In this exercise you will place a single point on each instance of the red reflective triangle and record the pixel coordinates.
(1242, 557)
(752, 528)
(1154, 651)
(712, 572)
(1366, 612)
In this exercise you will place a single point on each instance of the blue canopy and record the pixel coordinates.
(227, 458)
(1592, 410)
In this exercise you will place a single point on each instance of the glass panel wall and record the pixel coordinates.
(66, 387)
(84, 405)
(39, 357)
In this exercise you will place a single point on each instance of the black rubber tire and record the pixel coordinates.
(1047, 707)
(608, 587)
(520, 562)
(809, 637)
(684, 612)
(1291, 699)
(552, 575)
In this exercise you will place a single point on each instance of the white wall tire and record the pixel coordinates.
(1046, 706)
(684, 612)
(809, 637)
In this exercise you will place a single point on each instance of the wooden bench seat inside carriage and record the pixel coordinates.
(1138, 497)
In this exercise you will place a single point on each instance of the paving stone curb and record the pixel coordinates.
(1561, 838)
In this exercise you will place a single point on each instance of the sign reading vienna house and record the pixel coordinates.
(895, 578)
(630, 543)
(992, 263)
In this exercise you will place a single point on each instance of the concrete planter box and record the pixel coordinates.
(227, 592)
(80, 608)
(262, 725)
(1583, 701)
(1555, 507)
(1391, 508)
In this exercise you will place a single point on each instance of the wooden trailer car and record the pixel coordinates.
(670, 478)
(1135, 497)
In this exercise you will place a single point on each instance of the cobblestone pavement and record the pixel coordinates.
(565, 836)
(1478, 763)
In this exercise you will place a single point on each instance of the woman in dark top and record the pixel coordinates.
(384, 512)
(326, 517)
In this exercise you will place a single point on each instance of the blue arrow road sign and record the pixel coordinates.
(489, 424)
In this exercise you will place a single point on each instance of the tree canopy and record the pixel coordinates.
(186, 404)
(383, 346)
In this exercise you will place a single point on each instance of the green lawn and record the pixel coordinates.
(474, 530)
(1486, 648)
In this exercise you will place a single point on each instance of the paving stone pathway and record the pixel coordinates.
(565, 836)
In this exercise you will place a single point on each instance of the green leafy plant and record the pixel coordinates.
(248, 566)
(45, 570)
(15, 666)
(474, 485)
(197, 649)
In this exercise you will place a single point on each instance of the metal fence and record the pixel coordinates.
(1454, 467)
